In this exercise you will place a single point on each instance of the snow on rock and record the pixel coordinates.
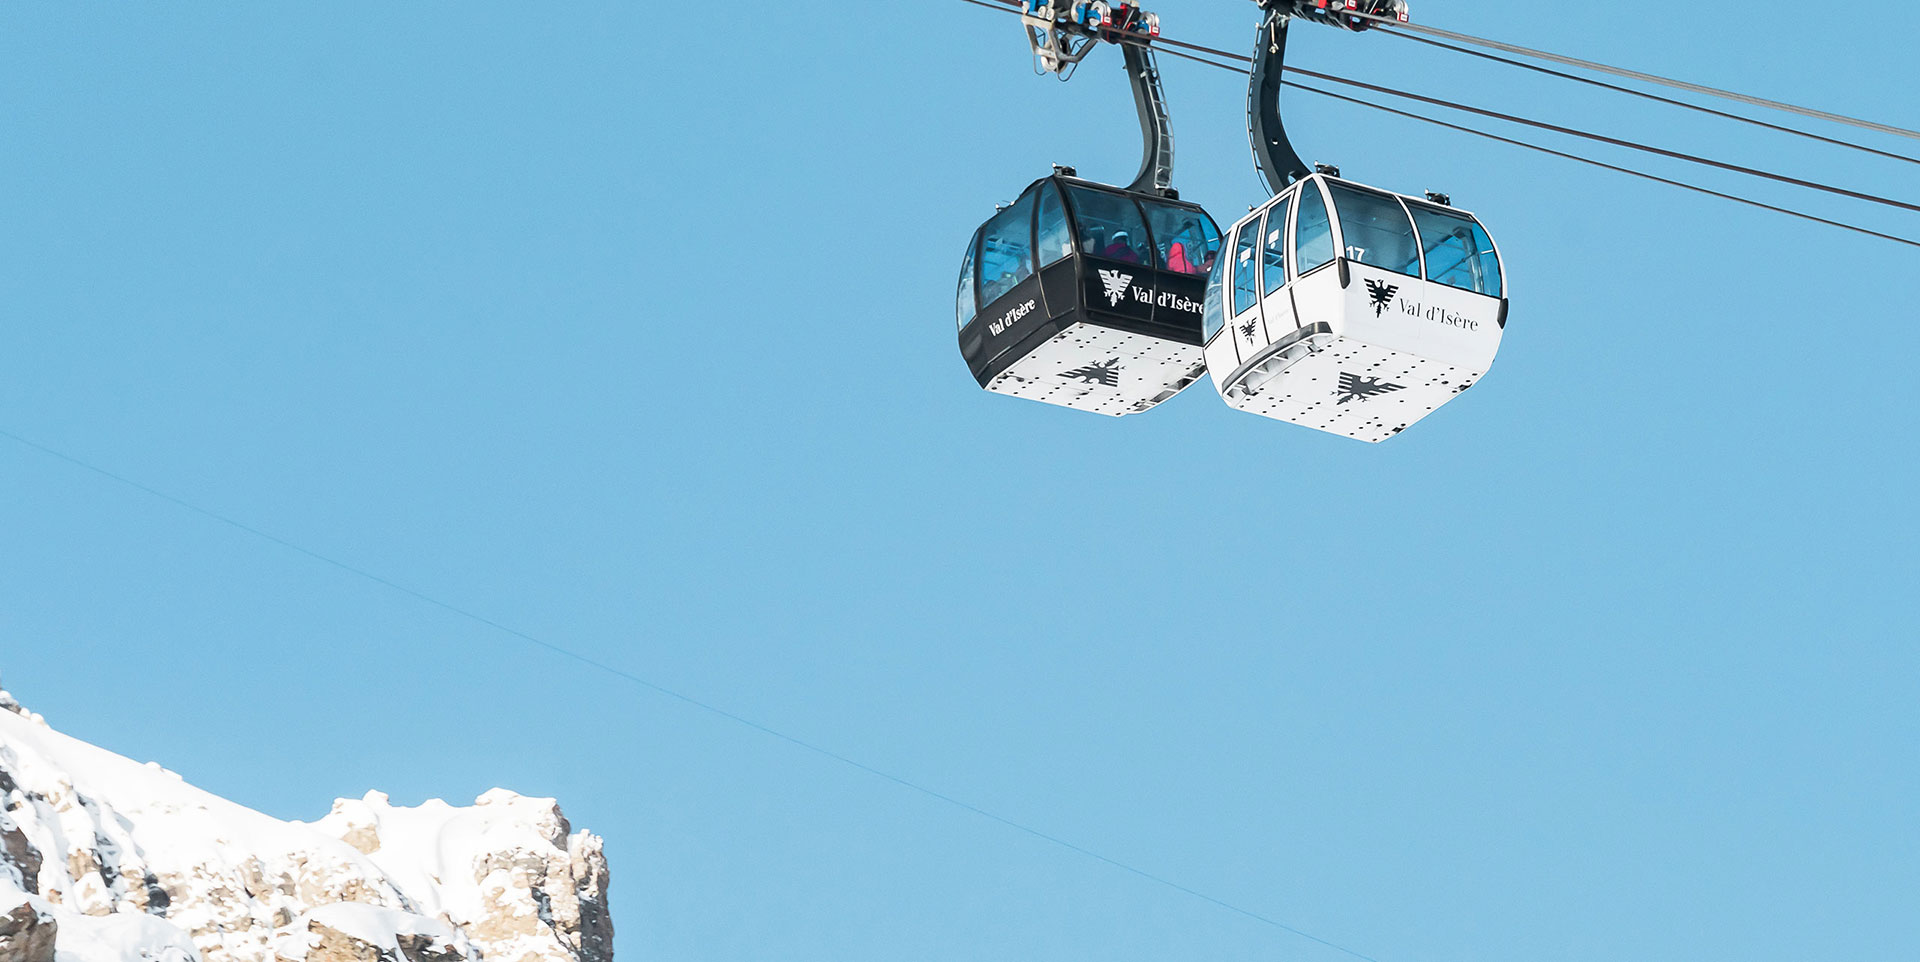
(103, 859)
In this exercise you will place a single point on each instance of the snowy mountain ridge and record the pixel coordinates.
(104, 859)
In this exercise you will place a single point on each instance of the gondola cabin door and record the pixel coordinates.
(1352, 310)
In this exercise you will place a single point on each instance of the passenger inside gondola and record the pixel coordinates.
(1185, 244)
(1110, 224)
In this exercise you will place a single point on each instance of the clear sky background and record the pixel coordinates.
(630, 326)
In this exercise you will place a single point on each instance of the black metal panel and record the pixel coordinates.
(1060, 286)
(1273, 153)
(1149, 100)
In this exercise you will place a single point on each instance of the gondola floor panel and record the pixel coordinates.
(1348, 387)
(1091, 368)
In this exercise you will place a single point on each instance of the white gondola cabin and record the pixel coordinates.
(1352, 310)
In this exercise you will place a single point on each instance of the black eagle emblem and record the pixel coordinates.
(1098, 373)
(1352, 388)
(1247, 329)
(1381, 295)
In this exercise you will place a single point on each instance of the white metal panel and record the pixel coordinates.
(1412, 316)
(1355, 389)
(1221, 355)
(1319, 299)
(1099, 369)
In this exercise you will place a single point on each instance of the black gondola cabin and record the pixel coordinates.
(1088, 296)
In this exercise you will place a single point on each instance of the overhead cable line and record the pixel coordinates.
(1569, 131)
(685, 699)
(1648, 95)
(1561, 153)
(1239, 64)
(1641, 76)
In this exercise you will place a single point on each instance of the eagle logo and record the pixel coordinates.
(1381, 295)
(1247, 329)
(1116, 285)
(1352, 388)
(1098, 373)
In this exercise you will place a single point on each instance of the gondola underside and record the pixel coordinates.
(1344, 386)
(1088, 367)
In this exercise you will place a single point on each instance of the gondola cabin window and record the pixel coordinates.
(964, 306)
(1110, 226)
(1185, 239)
(1245, 288)
(1274, 270)
(1376, 230)
(1459, 253)
(1211, 317)
(1006, 252)
(1055, 237)
(1313, 234)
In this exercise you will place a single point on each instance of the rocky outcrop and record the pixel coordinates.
(27, 935)
(115, 861)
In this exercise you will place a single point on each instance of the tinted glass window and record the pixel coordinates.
(1245, 289)
(1376, 230)
(1006, 250)
(1458, 250)
(1055, 240)
(1110, 226)
(964, 307)
(1313, 234)
(1274, 270)
(1186, 240)
(1215, 307)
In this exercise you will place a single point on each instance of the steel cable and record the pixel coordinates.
(1243, 71)
(1559, 129)
(1644, 77)
(1648, 95)
(1241, 66)
(662, 690)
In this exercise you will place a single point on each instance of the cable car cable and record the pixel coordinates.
(1166, 42)
(1613, 167)
(1641, 76)
(670, 693)
(1569, 131)
(1243, 71)
(1648, 95)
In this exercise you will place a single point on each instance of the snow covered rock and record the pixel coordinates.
(103, 859)
(27, 934)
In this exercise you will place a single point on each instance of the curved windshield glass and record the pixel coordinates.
(1376, 230)
(964, 306)
(1185, 239)
(1212, 319)
(1006, 250)
(1055, 240)
(1313, 234)
(1274, 270)
(1459, 253)
(1110, 226)
(1245, 291)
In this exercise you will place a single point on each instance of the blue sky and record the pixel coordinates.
(629, 326)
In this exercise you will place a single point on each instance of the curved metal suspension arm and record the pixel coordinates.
(1273, 153)
(1156, 133)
